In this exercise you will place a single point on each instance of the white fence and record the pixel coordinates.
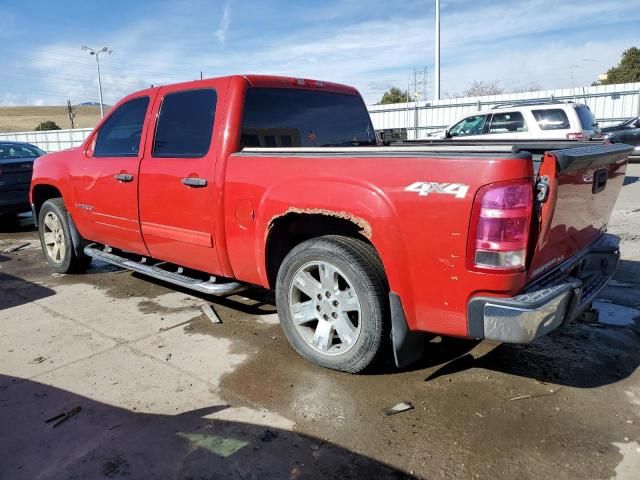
(51, 140)
(609, 104)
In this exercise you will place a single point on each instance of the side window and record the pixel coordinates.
(120, 134)
(185, 124)
(508, 122)
(469, 126)
(551, 119)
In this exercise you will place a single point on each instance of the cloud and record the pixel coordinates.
(223, 25)
(518, 43)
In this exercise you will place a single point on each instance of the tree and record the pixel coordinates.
(48, 125)
(531, 87)
(479, 88)
(627, 71)
(395, 95)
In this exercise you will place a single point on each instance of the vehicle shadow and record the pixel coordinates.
(16, 291)
(582, 355)
(252, 301)
(106, 441)
(16, 223)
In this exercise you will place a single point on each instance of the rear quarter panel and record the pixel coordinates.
(422, 239)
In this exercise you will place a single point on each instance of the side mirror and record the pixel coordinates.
(447, 133)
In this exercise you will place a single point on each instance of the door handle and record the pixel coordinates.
(123, 177)
(194, 182)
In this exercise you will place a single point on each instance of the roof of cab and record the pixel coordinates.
(266, 81)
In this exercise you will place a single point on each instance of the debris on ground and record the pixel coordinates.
(523, 397)
(38, 360)
(15, 248)
(168, 357)
(398, 408)
(209, 312)
(269, 435)
(63, 417)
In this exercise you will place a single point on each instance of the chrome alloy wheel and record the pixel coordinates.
(325, 308)
(53, 235)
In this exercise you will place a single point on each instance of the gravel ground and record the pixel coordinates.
(165, 393)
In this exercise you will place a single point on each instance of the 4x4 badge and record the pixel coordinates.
(423, 189)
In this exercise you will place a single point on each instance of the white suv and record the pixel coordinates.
(557, 121)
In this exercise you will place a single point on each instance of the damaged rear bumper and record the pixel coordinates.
(548, 303)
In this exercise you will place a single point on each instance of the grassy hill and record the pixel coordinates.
(21, 119)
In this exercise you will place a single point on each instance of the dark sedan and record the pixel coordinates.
(16, 164)
(627, 132)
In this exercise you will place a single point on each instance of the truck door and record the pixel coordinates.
(177, 191)
(105, 182)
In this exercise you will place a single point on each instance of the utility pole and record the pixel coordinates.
(436, 75)
(96, 53)
(573, 83)
(70, 113)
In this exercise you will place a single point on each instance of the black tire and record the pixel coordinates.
(68, 261)
(361, 266)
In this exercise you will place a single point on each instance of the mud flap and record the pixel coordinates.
(408, 346)
(78, 242)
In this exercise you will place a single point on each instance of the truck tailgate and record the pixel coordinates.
(583, 186)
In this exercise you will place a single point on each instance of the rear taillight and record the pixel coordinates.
(500, 225)
(575, 135)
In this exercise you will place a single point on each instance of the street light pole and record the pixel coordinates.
(436, 79)
(96, 53)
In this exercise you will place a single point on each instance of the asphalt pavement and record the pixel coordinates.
(149, 387)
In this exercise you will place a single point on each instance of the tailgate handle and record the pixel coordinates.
(600, 178)
(123, 177)
(194, 182)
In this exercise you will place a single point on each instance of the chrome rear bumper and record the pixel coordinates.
(548, 303)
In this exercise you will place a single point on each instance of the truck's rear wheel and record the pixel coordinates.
(56, 240)
(332, 301)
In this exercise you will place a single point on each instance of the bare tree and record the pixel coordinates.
(479, 88)
(530, 87)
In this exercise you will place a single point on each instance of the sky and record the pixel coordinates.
(371, 45)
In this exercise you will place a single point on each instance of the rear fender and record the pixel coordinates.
(368, 208)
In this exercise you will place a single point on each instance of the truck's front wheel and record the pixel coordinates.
(56, 240)
(332, 300)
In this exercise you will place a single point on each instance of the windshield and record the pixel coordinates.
(469, 126)
(632, 122)
(288, 117)
(19, 150)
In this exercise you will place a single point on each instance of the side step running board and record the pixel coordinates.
(209, 287)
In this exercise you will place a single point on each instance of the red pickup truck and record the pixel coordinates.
(279, 182)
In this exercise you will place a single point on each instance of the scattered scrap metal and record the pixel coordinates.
(209, 312)
(64, 416)
(398, 408)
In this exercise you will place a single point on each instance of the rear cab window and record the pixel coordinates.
(16, 150)
(551, 119)
(587, 120)
(288, 117)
